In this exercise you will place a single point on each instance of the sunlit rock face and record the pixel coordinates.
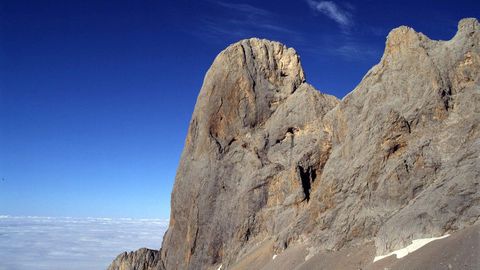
(269, 159)
(142, 259)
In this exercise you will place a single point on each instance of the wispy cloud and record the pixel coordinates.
(333, 11)
(234, 21)
(350, 51)
(240, 20)
(356, 51)
(245, 8)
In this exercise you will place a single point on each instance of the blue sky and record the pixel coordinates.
(96, 96)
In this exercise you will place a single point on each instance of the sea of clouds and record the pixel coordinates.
(73, 243)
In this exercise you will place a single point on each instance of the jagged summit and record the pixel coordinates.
(409, 37)
(273, 166)
(468, 25)
(271, 57)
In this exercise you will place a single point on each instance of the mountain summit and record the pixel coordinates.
(272, 168)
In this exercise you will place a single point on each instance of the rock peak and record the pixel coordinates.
(244, 86)
(403, 37)
(270, 164)
(404, 42)
(468, 25)
(269, 59)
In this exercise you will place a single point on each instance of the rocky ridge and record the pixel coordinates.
(142, 259)
(270, 161)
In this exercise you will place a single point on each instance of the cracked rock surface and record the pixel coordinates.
(269, 159)
(142, 259)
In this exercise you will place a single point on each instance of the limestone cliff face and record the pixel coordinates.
(240, 161)
(270, 159)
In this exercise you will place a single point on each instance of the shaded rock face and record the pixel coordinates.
(142, 259)
(269, 158)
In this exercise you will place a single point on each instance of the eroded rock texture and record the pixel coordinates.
(142, 259)
(270, 159)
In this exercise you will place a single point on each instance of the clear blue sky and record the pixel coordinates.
(96, 96)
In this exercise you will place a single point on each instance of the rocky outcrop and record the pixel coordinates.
(142, 259)
(269, 160)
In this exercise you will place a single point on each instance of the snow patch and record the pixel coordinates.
(274, 256)
(312, 251)
(220, 267)
(416, 244)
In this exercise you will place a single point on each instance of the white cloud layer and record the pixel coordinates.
(333, 11)
(73, 243)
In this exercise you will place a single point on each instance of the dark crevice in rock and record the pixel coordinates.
(417, 190)
(307, 177)
(252, 79)
(267, 53)
(247, 234)
(219, 146)
(292, 130)
(406, 166)
(393, 149)
(221, 149)
(292, 143)
(231, 141)
(262, 156)
(446, 96)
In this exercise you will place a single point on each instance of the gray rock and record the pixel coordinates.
(269, 158)
(142, 259)
(240, 161)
